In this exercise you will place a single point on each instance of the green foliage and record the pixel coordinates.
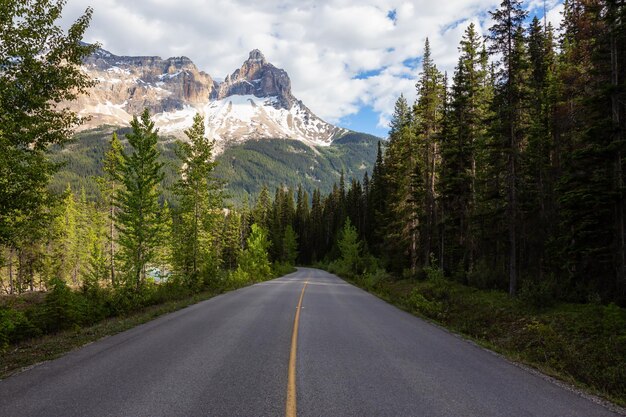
(254, 264)
(40, 68)
(61, 309)
(350, 247)
(290, 246)
(15, 326)
(200, 203)
(138, 221)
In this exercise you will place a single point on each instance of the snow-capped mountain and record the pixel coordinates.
(254, 102)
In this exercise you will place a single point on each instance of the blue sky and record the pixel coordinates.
(348, 60)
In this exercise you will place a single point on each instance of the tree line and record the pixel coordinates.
(509, 175)
(506, 174)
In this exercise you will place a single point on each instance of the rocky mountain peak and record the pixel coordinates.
(256, 56)
(259, 78)
(253, 102)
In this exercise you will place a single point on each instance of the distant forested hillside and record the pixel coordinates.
(245, 168)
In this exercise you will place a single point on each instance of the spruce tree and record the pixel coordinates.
(200, 204)
(109, 185)
(506, 36)
(138, 222)
(465, 129)
(425, 158)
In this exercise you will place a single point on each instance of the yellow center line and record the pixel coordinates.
(291, 382)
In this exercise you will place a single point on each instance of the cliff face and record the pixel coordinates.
(253, 102)
(259, 78)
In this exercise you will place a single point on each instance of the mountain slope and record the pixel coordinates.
(244, 167)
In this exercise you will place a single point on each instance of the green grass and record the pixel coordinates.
(582, 344)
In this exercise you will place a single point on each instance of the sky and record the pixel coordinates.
(348, 60)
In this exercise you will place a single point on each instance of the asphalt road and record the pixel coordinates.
(229, 356)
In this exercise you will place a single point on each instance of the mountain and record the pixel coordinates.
(254, 102)
(263, 134)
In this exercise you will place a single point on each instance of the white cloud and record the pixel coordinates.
(323, 45)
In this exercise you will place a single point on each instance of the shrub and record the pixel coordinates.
(417, 302)
(538, 293)
(15, 326)
(61, 309)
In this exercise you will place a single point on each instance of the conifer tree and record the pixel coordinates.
(466, 121)
(138, 221)
(506, 36)
(200, 204)
(109, 185)
(425, 159)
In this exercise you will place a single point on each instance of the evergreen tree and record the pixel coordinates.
(138, 222)
(254, 260)
(506, 36)
(109, 185)
(402, 231)
(200, 203)
(290, 246)
(465, 129)
(425, 159)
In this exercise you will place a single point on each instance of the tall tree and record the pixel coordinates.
(428, 114)
(200, 203)
(137, 200)
(506, 36)
(466, 120)
(109, 185)
(40, 70)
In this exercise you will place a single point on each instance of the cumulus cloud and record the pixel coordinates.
(340, 54)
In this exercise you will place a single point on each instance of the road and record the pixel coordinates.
(354, 355)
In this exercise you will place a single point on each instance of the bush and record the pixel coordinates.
(539, 294)
(484, 276)
(15, 326)
(372, 280)
(61, 309)
(417, 302)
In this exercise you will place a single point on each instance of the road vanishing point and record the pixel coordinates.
(306, 344)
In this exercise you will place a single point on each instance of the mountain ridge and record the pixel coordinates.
(253, 102)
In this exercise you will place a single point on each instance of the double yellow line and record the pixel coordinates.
(291, 410)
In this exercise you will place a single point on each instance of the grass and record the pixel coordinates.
(581, 344)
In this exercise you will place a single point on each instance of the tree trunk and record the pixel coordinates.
(112, 244)
(11, 286)
(615, 115)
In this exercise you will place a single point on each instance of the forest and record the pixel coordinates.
(505, 175)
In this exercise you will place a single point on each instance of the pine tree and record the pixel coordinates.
(262, 209)
(401, 217)
(138, 222)
(428, 114)
(290, 246)
(506, 36)
(254, 260)
(109, 185)
(200, 203)
(465, 129)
